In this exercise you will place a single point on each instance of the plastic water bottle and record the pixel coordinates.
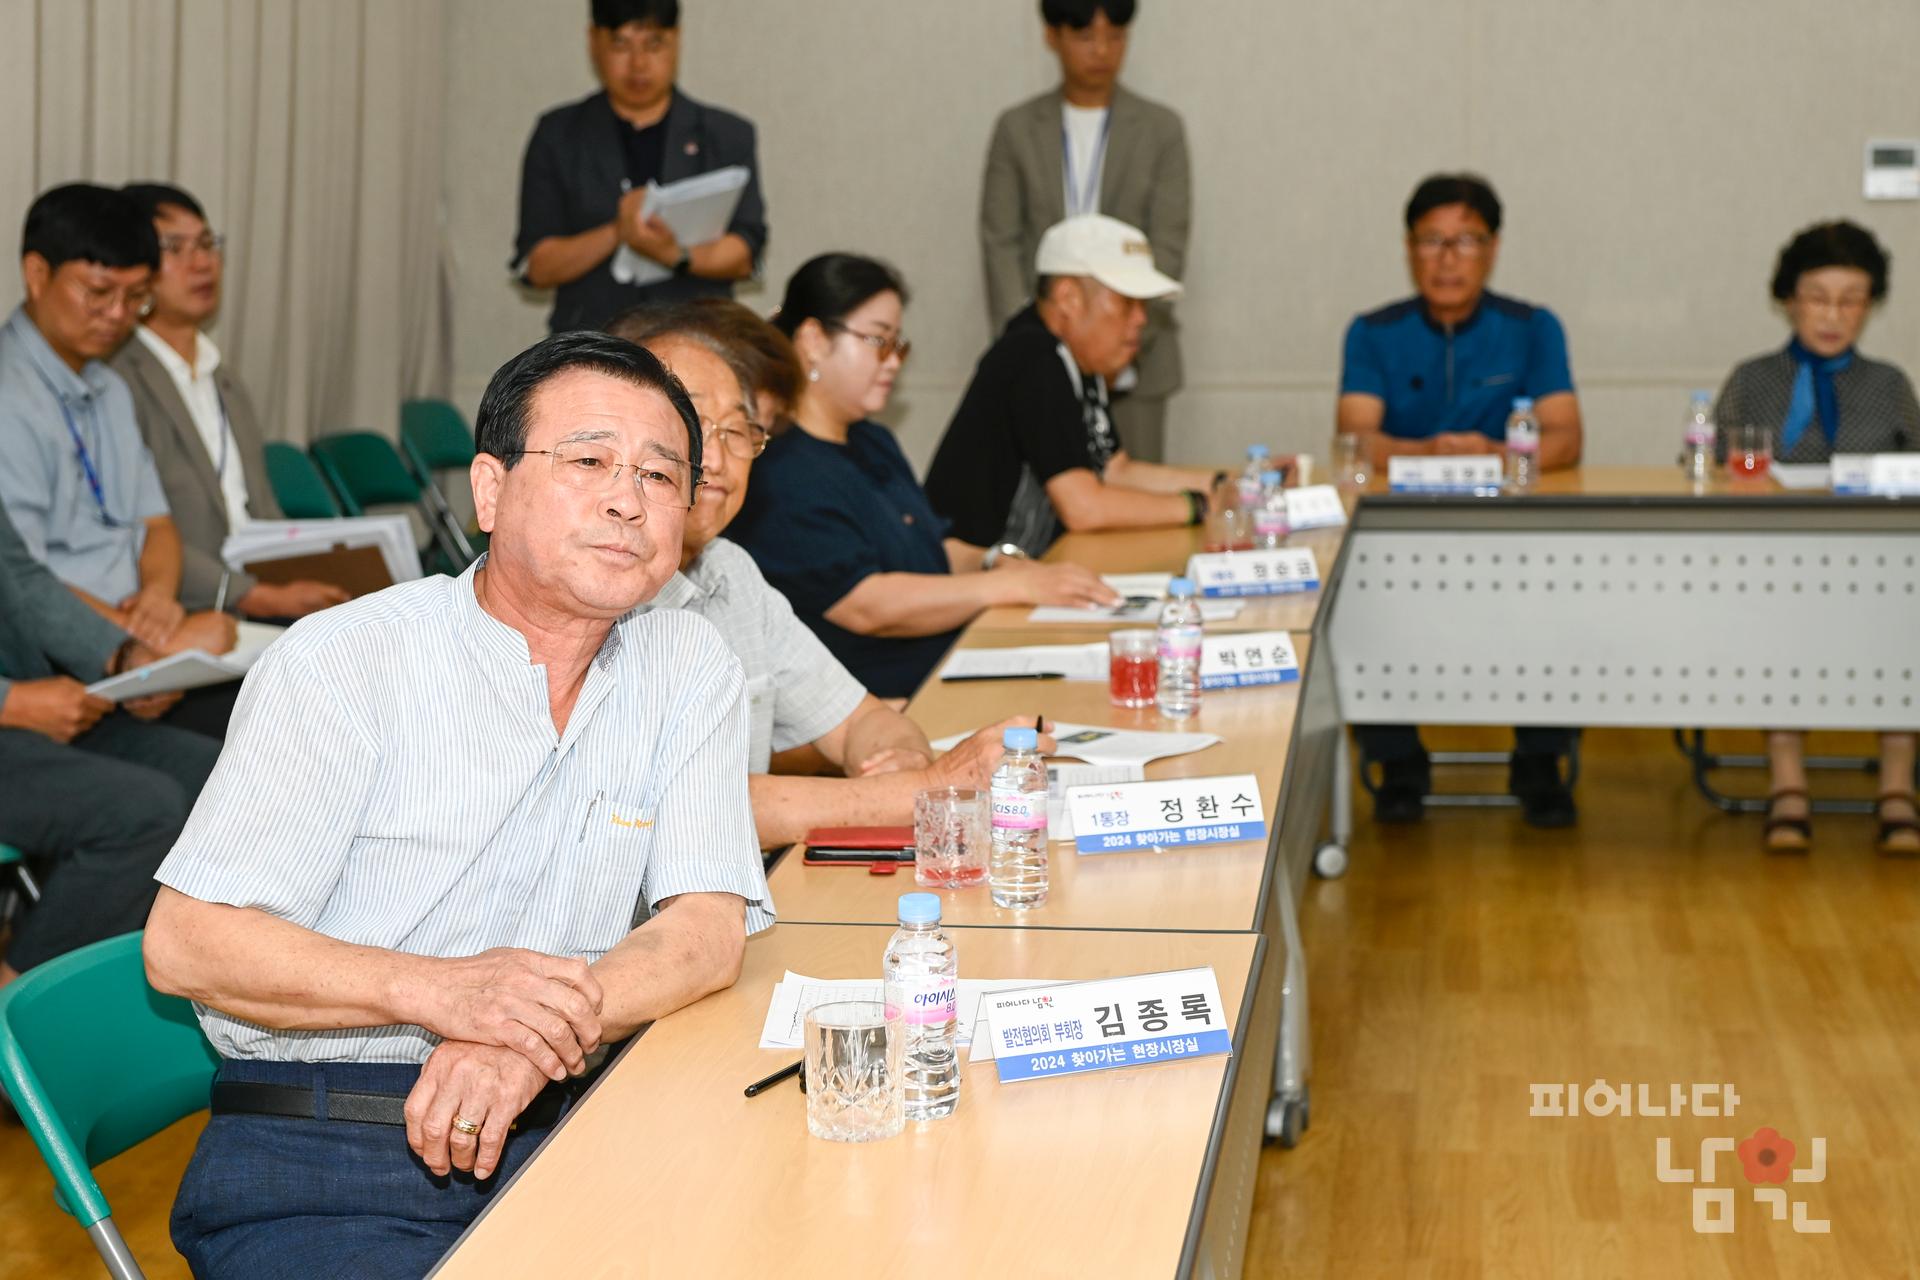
(923, 975)
(1270, 527)
(1696, 454)
(1523, 446)
(1253, 479)
(1017, 871)
(1179, 695)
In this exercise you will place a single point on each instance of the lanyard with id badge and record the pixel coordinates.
(87, 464)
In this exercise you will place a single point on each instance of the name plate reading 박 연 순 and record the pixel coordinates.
(1464, 473)
(1166, 813)
(1258, 657)
(1277, 571)
(1882, 475)
(1315, 506)
(1136, 1021)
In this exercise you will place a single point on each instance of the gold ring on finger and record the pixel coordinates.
(465, 1125)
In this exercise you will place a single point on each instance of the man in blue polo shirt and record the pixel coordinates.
(1438, 374)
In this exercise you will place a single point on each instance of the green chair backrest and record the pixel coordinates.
(10, 855)
(364, 470)
(297, 486)
(97, 1061)
(435, 436)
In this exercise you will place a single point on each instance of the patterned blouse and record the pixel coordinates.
(1878, 410)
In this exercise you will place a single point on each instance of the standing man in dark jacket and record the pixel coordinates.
(588, 164)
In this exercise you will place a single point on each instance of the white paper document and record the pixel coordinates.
(1153, 585)
(1102, 746)
(796, 993)
(1061, 777)
(1073, 661)
(192, 669)
(259, 540)
(1135, 612)
(1803, 475)
(697, 208)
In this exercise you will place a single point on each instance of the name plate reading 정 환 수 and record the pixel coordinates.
(1464, 473)
(1277, 571)
(1136, 1021)
(1166, 813)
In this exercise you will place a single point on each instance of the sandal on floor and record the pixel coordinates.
(1787, 835)
(1899, 837)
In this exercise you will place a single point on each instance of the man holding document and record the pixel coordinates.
(590, 229)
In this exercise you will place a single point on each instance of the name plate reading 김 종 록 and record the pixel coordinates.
(1463, 473)
(1258, 657)
(1167, 813)
(1136, 1021)
(1883, 475)
(1277, 571)
(1315, 506)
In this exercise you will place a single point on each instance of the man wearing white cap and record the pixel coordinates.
(1032, 451)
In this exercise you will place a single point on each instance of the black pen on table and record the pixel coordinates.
(761, 1086)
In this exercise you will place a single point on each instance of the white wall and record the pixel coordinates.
(1653, 156)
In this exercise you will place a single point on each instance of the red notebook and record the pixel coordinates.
(859, 846)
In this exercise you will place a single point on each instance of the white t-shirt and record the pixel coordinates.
(1086, 148)
(198, 393)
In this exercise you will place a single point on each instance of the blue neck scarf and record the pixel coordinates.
(1812, 389)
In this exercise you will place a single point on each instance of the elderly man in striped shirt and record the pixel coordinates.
(409, 926)
(800, 697)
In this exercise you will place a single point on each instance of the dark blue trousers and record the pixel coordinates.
(278, 1198)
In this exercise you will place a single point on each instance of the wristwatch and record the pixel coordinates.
(1197, 506)
(685, 262)
(1003, 551)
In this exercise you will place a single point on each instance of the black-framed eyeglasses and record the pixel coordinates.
(885, 345)
(206, 242)
(742, 438)
(594, 468)
(1467, 245)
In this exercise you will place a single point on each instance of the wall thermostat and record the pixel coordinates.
(1893, 169)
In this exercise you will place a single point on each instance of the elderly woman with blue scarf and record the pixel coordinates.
(1822, 397)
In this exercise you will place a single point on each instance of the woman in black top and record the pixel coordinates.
(1820, 396)
(837, 521)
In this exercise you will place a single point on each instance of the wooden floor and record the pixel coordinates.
(1463, 960)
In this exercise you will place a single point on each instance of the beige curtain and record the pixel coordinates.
(311, 130)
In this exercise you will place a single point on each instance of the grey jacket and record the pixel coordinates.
(1145, 181)
(187, 474)
(44, 628)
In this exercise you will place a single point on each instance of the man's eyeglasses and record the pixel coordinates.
(206, 242)
(102, 299)
(593, 468)
(1467, 246)
(885, 345)
(742, 438)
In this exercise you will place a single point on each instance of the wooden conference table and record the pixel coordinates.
(1145, 1172)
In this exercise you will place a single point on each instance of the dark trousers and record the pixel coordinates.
(1396, 743)
(206, 710)
(106, 808)
(278, 1198)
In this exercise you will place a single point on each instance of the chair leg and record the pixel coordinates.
(28, 885)
(114, 1254)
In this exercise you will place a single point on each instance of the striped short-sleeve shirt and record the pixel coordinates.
(392, 778)
(797, 691)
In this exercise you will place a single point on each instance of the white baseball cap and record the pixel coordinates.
(1107, 249)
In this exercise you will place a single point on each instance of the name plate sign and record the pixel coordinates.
(1166, 813)
(1464, 473)
(1277, 571)
(1137, 1021)
(1315, 506)
(1883, 475)
(1258, 657)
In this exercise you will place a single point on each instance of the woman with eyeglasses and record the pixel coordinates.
(836, 519)
(1820, 397)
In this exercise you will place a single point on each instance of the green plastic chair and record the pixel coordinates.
(366, 471)
(96, 1061)
(297, 486)
(435, 438)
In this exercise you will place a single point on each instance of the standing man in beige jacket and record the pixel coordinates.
(1090, 146)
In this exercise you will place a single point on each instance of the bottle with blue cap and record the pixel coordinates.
(1017, 867)
(1523, 446)
(923, 983)
(1251, 487)
(1180, 641)
(1696, 450)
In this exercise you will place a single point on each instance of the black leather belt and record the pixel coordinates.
(246, 1097)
